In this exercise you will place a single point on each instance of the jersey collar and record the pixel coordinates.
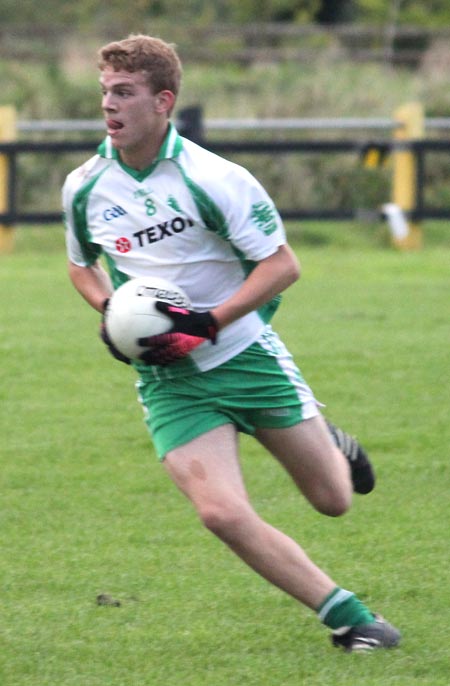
(170, 148)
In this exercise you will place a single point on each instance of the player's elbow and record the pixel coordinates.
(291, 265)
(293, 270)
(296, 271)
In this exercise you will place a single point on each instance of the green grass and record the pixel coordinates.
(86, 508)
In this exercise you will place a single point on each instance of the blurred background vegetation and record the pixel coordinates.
(242, 59)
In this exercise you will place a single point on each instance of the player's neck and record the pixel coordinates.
(143, 154)
(139, 158)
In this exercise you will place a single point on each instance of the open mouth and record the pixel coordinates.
(113, 125)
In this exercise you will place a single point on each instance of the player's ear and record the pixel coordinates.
(164, 101)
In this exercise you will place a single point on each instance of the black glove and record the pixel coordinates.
(198, 324)
(107, 341)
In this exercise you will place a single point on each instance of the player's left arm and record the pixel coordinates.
(255, 229)
(270, 277)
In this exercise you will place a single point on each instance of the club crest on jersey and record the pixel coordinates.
(263, 215)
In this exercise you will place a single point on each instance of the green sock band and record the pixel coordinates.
(342, 608)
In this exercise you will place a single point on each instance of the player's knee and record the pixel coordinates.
(225, 520)
(333, 503)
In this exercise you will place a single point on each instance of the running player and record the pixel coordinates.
(152, 202)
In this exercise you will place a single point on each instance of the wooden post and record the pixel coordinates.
(404, 183)
(8, 132)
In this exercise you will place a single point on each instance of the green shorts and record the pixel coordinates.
(259, 388)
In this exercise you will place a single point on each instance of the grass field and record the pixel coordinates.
(86, 508)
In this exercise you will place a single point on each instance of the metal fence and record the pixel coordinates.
(190, 124)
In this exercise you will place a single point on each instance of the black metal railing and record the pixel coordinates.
(13, 214)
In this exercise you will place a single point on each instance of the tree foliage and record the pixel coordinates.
(94, 14)
(433, 13)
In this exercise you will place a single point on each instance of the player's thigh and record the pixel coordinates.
(309, 455)
(207, 469)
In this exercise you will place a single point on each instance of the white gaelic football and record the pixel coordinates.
(131, 312)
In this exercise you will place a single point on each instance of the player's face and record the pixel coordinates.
(136, 119)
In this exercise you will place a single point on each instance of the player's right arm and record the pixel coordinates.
(92, 282)
(85, 270)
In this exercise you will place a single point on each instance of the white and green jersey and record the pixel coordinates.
(191, 217)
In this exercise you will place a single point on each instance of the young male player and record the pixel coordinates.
(152, 202)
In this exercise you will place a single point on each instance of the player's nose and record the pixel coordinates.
(108, 102)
